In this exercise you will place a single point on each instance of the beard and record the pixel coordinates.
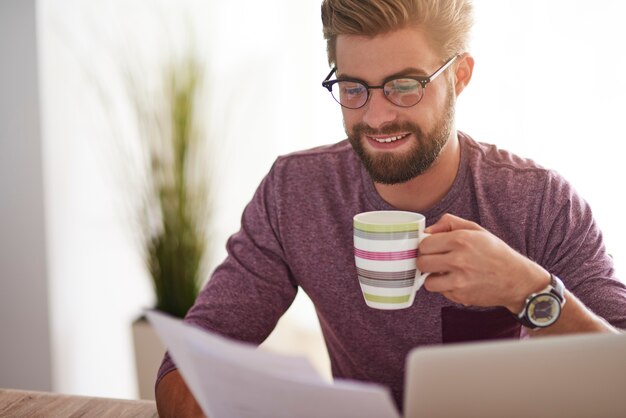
(394, 168)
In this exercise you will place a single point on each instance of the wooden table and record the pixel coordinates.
(26, 404)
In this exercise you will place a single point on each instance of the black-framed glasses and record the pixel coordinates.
(404, 91)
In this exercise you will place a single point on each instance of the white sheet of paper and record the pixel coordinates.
(234, 379)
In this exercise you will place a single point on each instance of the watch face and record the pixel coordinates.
(544, 310)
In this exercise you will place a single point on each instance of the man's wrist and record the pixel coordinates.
(536, 279)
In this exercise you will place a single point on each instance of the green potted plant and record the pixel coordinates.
(175, 203)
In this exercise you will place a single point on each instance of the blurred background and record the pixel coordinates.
(548, 84)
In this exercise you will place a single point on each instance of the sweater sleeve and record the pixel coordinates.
(574, 250)
(248, 293)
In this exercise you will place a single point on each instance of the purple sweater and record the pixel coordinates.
(297, 233)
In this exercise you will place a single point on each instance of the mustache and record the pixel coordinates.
(363, 129)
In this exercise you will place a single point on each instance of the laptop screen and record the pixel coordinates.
(581, 375)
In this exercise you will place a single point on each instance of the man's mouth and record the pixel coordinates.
(387, 139)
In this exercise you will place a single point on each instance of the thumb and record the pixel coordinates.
(448, 223)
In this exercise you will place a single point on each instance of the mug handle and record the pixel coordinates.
(421, 278)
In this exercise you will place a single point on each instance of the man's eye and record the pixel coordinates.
(404, 85)
(354, 90)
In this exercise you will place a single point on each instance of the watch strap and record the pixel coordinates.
(557, 288)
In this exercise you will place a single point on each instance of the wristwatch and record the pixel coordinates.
(543, 309)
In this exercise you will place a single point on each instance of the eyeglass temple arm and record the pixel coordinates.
(325, 82)
(442, 69)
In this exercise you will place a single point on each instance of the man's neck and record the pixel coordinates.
(426, 190)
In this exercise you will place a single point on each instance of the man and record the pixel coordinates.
(503, 228)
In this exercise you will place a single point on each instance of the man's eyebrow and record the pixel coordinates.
(409, 71)
(406, 71)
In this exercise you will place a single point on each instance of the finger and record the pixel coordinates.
(444, 285)
(433, 263)
(437, 282)
(448, 223)
(444, 243)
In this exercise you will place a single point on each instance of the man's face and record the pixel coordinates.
(394, 143)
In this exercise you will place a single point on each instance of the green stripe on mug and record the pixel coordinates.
(386, 299)
(386, 228)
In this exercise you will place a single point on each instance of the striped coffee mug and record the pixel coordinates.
(385, 251)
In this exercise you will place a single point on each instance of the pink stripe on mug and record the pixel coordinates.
(397, 255)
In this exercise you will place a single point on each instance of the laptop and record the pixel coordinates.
(582, 375)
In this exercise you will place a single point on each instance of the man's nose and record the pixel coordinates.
(378, 111)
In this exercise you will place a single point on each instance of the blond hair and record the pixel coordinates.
(446, 23)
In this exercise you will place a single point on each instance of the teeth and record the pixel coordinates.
(389, 138)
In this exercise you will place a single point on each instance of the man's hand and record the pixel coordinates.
(471, 266)
(174, 399)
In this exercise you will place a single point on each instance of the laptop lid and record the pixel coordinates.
(581, 375)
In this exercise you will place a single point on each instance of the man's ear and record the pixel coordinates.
(463, 72)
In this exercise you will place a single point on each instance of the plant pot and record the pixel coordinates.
(149, 351)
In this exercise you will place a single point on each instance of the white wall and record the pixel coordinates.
(99, 285)
(548, 84)
(24, 327)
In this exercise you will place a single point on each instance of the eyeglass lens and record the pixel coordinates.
(403, 92)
